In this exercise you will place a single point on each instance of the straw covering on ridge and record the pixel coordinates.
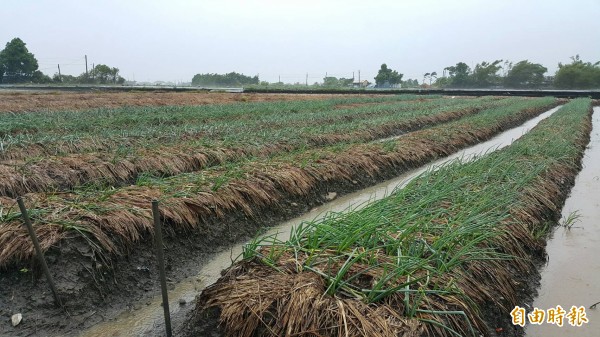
(428, 259)
(112, 220)
(65, 164)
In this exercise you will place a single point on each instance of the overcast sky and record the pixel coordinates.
(173, 40)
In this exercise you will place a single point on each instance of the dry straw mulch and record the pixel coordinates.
(18, 102)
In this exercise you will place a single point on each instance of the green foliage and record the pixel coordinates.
(148, 127)
(459, 75)
(430, 77)
(386, 77)
(104, 74)
(578, 75)
(410, 83)
(334, 82)
(411, 244)
(65, 78)
(17, 64)
(100, 74)
(442, 82)
(40, 77)
(525, 74)
(231, 79)
(570, 220)
(485, 74)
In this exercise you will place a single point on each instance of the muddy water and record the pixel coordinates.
(148, 319)
(572, 274)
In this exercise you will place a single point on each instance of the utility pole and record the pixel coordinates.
(59, 75)
(352, 77)
(279, 79)
(307, 79)
(359, 76)
(86, 70)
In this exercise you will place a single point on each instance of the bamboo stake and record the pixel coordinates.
(161, 266)
(38, 250)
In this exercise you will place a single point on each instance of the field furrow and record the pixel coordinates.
(430, 259)
(19, 102)
(127, 127)
(113, 219)
(62, 172)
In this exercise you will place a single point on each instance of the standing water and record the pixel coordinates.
(148, 320)
(572, 275)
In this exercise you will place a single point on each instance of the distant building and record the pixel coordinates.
(361, 84)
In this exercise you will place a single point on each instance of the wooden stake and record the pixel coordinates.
(38, 250)
(161, 266)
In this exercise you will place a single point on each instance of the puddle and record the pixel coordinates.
(572, 275)
(148, 320)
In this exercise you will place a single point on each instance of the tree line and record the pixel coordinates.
(231, 79)
(521, 75)
(18, 65)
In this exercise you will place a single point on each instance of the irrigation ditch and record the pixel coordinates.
(111, 220)
(571, 274)
(84, 276)
(422, 261)
(49, 171)
(148, 319)
(98, 290)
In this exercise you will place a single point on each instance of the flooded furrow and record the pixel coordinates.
(148, 319)
(572, 275)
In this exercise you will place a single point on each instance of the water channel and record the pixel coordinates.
(148, 319)
(572, 275)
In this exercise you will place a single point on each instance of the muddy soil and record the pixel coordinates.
(16, 102)
(96, 290)
(200, 323)
(149, 319)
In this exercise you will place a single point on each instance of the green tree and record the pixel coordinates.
(334, 82)
(231, 79)
(65, 78)
(485, 74)
(387, 76)
(459, 75)
(578, 75)
(102, 74)
(410, 83)
(40, 77)
(430, 76)
(331, 81)
(442, 82)
(525, 74)
(17, 64)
